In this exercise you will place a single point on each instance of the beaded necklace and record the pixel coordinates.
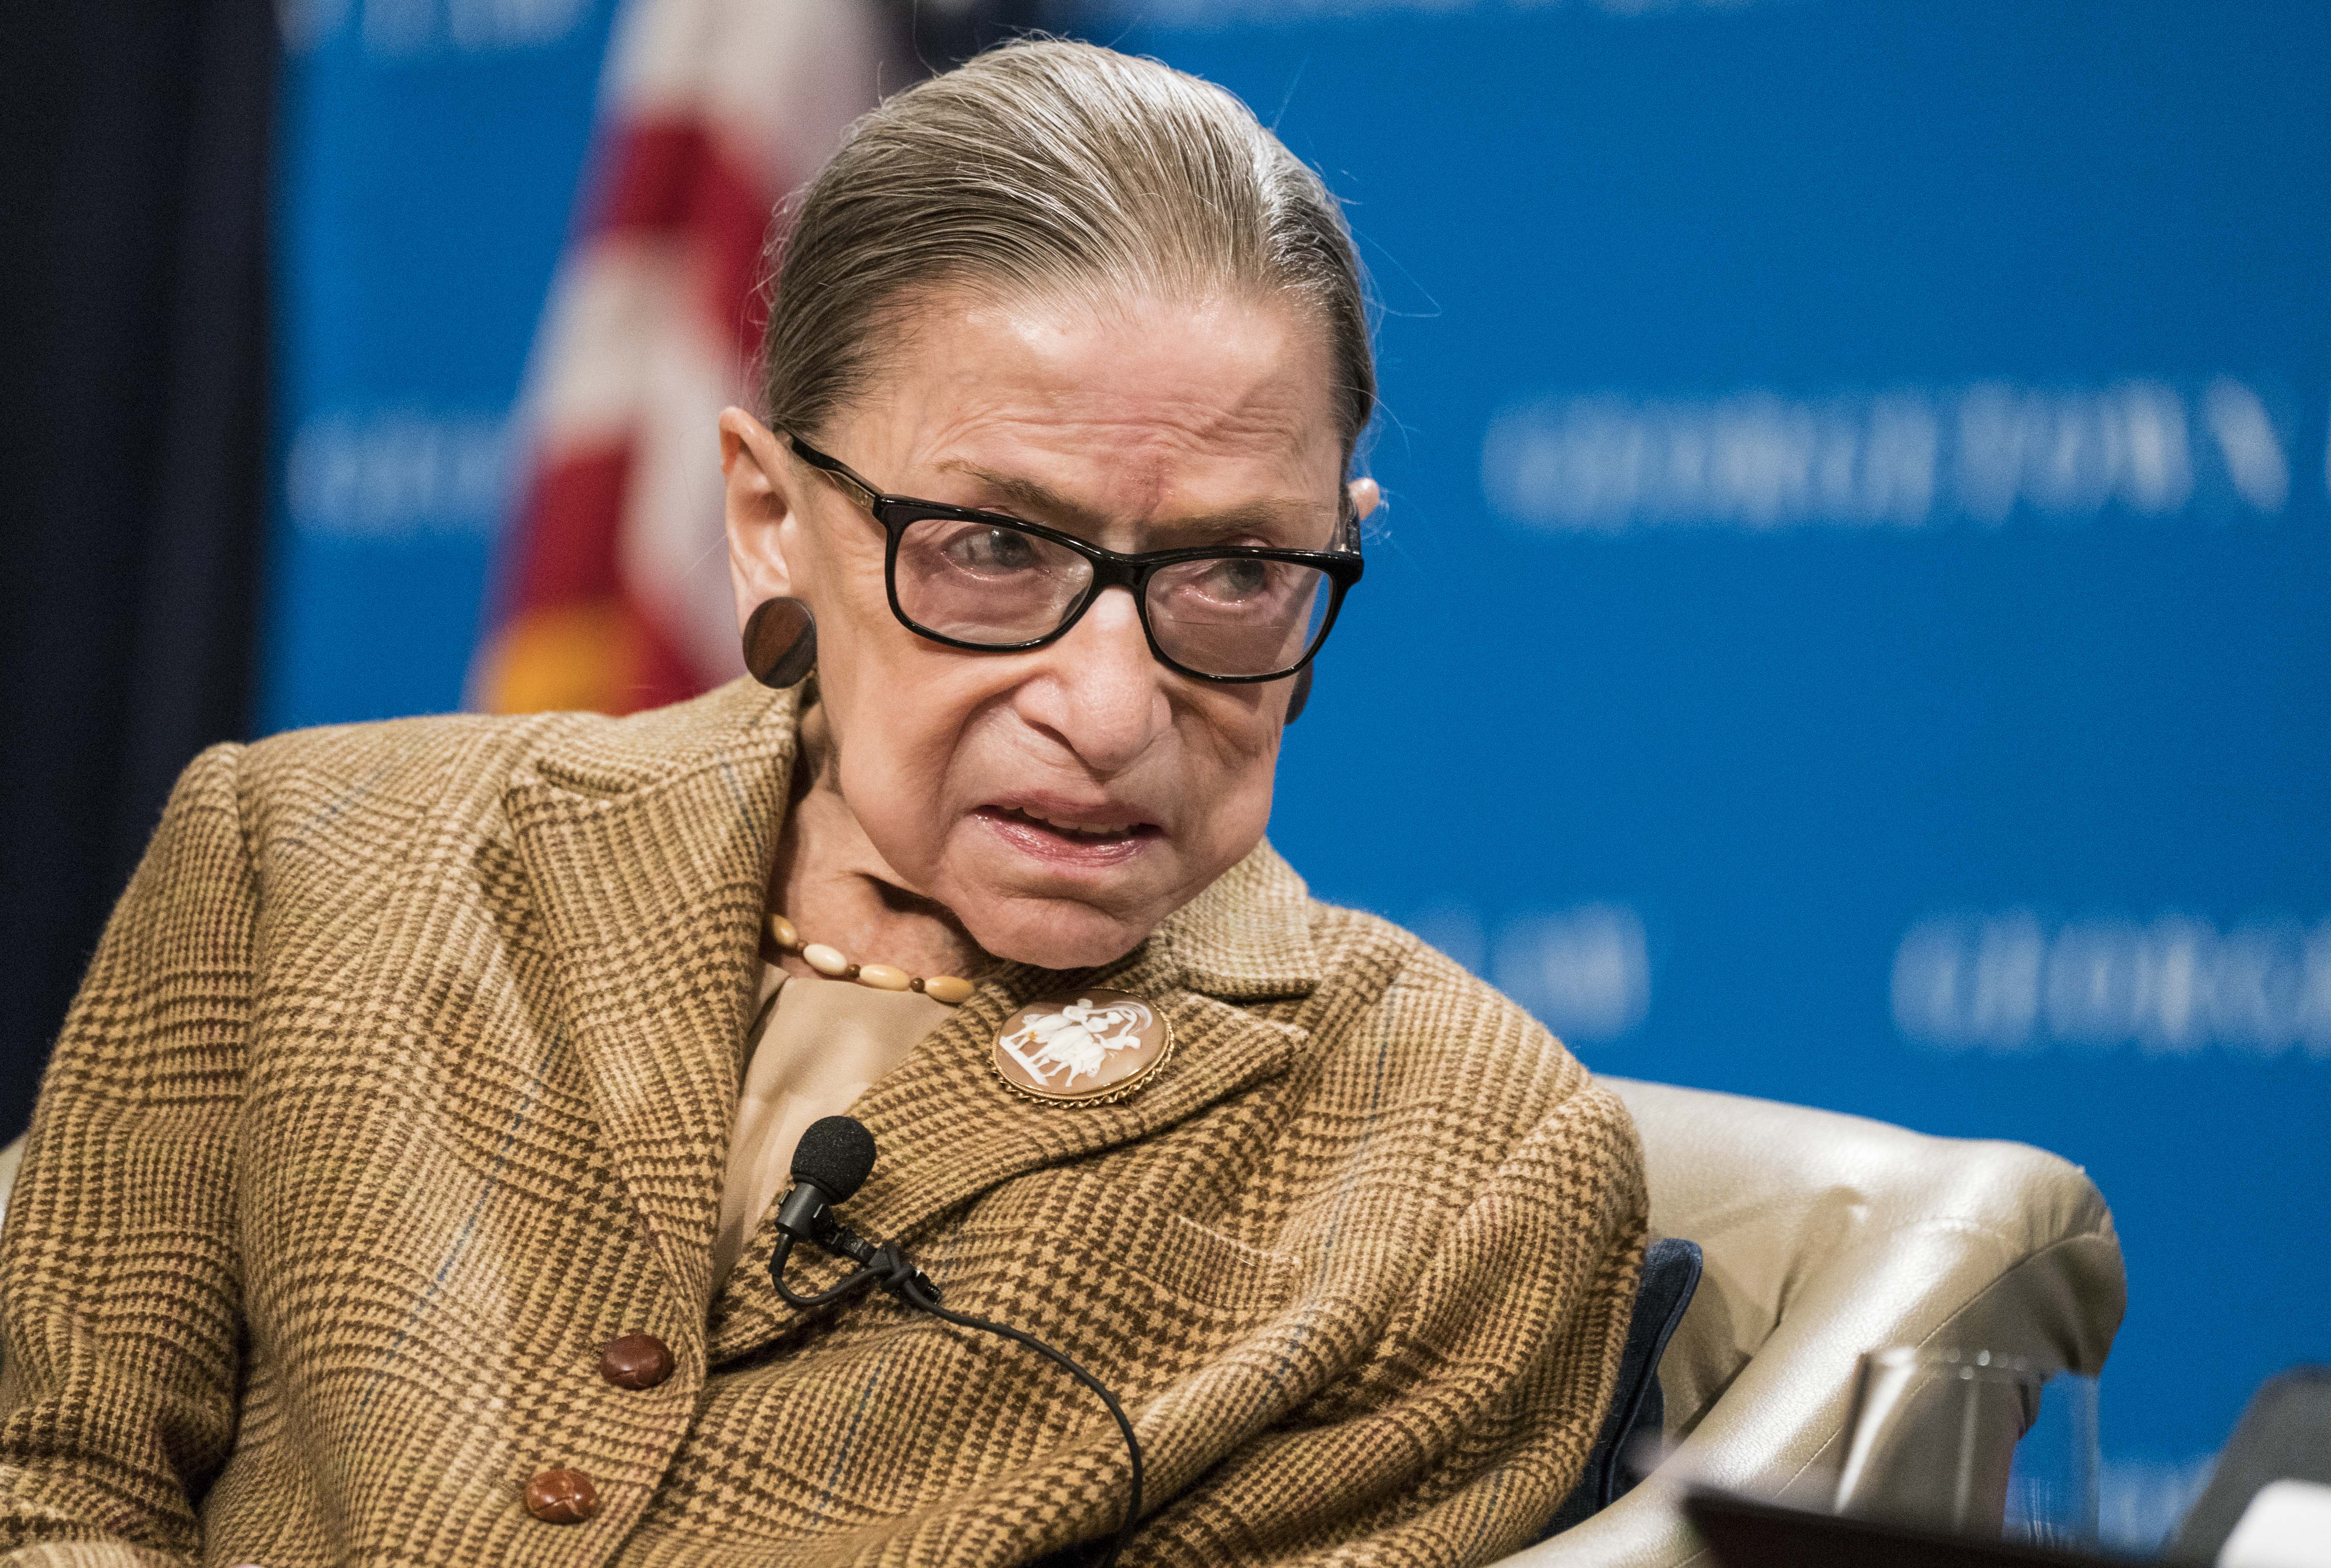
(953, 991)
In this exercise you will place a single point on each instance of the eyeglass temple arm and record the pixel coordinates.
(867, 494)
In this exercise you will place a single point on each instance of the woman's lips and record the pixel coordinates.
(1071, 842)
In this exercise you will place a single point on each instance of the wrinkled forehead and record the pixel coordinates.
(1138, 423)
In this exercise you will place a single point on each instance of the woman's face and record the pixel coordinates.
(1060, 801)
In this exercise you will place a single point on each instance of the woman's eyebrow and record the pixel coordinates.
(1082, 520)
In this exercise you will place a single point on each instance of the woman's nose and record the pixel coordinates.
(1105, 696)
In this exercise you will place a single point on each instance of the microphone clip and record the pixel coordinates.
(885, 1264)
(805, 1216)
(894, 1274)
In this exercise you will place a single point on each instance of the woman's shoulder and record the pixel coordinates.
(1426, 1031)
(1430, 993)
(457, 765)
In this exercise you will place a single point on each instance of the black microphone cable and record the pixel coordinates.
(833, 1161)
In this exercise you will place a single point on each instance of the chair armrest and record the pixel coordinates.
(1827, 1236)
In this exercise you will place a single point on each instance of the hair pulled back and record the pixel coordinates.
(1042, 166)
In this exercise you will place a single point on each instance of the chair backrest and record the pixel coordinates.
(1826, 1236)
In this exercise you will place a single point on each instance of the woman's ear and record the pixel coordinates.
(760, 494)
(1365, 494)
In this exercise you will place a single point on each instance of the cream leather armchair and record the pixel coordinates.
(10, 1158)
(1825, 1236)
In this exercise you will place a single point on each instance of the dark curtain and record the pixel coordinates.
(947, 33)
(134, 220)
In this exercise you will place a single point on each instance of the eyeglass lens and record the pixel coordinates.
(983, 582)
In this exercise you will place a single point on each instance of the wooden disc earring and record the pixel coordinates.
(780, 642)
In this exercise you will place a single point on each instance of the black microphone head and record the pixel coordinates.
(835, 1156)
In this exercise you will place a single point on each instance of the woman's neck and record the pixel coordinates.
(835, 888)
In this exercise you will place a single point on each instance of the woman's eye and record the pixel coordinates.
(1239, 579)
(993, 550)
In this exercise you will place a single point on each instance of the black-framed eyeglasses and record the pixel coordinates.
(999, 585)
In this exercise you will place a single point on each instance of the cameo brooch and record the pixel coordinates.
(1095, 1047)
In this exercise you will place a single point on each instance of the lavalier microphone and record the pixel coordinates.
(831, 1162)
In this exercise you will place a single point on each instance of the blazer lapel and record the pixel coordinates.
(648, 846)
(947, 1130)
(953, 1131)
(959, 1131)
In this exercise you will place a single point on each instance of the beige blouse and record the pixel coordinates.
(815, 1046)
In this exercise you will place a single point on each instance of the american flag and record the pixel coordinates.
(612, 589)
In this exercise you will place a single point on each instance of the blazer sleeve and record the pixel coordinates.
(1488, 1387)
(120, 1314)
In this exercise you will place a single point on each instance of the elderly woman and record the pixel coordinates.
(402, 1189)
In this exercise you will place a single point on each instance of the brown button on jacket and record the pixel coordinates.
(401, 1083)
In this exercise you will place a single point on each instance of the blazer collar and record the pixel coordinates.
(648, 843)
(1247, 937)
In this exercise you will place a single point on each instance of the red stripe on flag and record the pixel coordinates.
(671, 178)
(648, 177)
(569, 531)
(659, 671)
(729, 220)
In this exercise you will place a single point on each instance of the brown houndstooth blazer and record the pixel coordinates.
(402, 1081)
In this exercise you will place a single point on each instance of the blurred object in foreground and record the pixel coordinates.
(1975, 1444)
(613, 593)
(2055, 1490)
(2285, 1436)
(2286, 1525)
(1743, 1531)
(1933, 1435)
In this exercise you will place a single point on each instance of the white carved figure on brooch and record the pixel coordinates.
(1082, 1049)
(1077, 1038)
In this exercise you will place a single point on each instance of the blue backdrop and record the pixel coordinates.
(1849, 624)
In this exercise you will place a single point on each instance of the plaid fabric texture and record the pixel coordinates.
(402, 1081)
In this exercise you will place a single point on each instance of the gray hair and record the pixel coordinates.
(1042, 165)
